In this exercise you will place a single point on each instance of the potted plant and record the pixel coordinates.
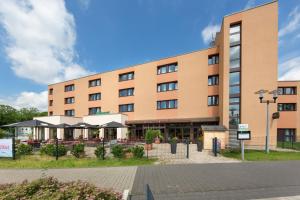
(199, 143)
(158, 137)
(173, 143)
(149, 139)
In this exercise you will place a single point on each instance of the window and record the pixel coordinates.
(126, 108)
(234, 78)
(163, 87)
(94, 97)
(126, 92)
(126, 76)
(235, 56)
(213, 59)
(167, 68)
(70, 112)
(94, 110)
(69, 100)
(287, 90)
(69, 88)
(286, 135)
(50, 113)
(167, 104)
(51, 103)
(213, 100)
(234, 100)
(234, 35)
(94, 83)
(234, 89)
(50, 91)
(213, 80)
(286, 107)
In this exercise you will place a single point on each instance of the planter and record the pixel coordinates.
(199, 146)
(173, 148)
(157, 141)
(148, 146)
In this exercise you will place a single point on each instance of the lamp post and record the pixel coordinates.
(267, 102)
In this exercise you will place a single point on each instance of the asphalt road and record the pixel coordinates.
(219, 181)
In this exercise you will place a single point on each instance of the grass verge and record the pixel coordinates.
(41, 162)
(257, 155)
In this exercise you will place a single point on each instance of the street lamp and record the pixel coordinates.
(261, 98)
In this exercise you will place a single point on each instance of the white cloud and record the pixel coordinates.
(290, 69)
(293, 23)
(27, 100)
(39, 40)
(250, 4)
(84, 4)
(209, 32)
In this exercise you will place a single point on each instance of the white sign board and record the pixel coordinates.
(243, 135)
(6, 148)
(243, 127)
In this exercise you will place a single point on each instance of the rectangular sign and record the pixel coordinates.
(6, 148)
(243, 127)
(244, 135)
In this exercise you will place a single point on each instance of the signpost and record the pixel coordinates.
(243, 134)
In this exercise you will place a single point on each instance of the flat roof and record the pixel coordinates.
(134, 65)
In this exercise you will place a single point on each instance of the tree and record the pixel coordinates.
(9, 115)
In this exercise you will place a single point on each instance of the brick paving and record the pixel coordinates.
(219, 181)
(117, 178)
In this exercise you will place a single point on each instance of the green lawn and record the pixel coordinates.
(256, 155)
(37, 161)
(289, 145)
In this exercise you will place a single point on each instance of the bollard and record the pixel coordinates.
(187, 148)
(56, 147)
(14, 147)
(103, 149)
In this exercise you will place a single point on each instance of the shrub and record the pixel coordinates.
(138, 151)
(2, 133)
(174, 140)
(24, 149)
(150, 135)
(78, 150)
(100, 151)
(118, 151)
(51, 188)
(50, 149)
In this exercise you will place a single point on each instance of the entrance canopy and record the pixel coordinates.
(113, 124)
(82, 125)
(63, 125)
(31, 123)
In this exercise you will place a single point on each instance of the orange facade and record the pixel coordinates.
(199, 87)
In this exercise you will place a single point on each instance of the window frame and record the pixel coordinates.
(215, 98)
(168, 68)
(127, 106)
(98, 93)
(70, 85)
(216, 76)
(127, 76)
(167, 86)
(214, 58)
(91, 108)
(95, 80)
(167, 104)
(72, 102)
(284, 108)
(72, 111)
(127, 92)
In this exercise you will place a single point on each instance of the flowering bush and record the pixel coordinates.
(51, 188)
(138, 151)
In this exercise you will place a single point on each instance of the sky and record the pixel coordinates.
(44, 42)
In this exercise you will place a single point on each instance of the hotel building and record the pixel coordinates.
(180, 94)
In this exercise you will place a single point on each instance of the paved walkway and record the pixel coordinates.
(251, 180)
(117, 178)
